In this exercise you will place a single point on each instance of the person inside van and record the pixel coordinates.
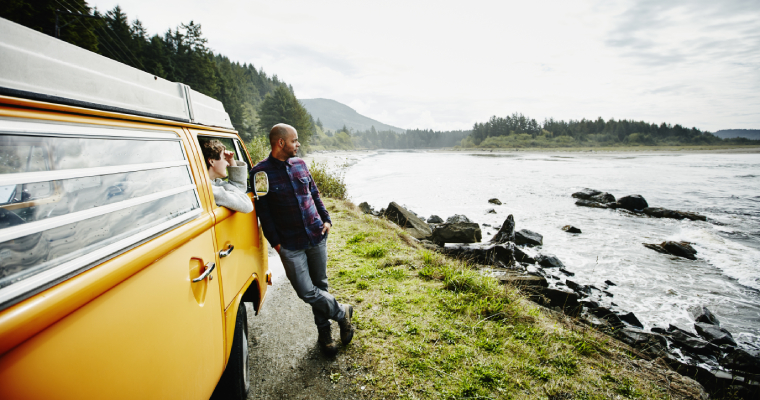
(220, 163)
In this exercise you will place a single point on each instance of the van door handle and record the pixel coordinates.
(209, 267)
(225, 253)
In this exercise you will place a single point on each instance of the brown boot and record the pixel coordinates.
(326, 341)
(346, 329)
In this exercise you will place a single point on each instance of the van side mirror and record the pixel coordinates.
(260, 184)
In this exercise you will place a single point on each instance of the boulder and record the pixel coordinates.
(742, 360)
(507, 231)
(586, 194)
(610, 283)
(549, 261)
(365, 207)
(457, 218)
(652, 344)
(702, 314)
(494, 201)
(571, 229)
(633, 202)
(557, 298)
(407, 220)
(530, 238)
(603, 198)
(659, 212)
(582, 290)
(592, 204)
(490, 211)
(457, 232)
(679, 249)
(693, 344)
(524, 281)
(434, 219)
(607, 315)
(631, 319)
(489, 254)
(714, 334)
(523, 256)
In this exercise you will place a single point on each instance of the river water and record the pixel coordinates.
(536, 189)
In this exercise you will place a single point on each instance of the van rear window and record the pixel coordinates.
(69, 201)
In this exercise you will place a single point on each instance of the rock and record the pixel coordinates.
(566, 272)
(549, 261)
(524, 281)
(434, 219)
(571, 229)
(523, 256)
(607, 315)
(457, 218)
(578, 288)
(457, 232)
(365, 207)
(491, 211)
(610, 283)
(593, 204)
(558, 298)
(494, 201)
(693, 344)
(742, 360)
(489, 254)
(652, 344)
(603, 198)
(586, 194)
(679, 249)
(659, 212)
(631, 319)
(530, 238)
(702, 314)
(714, 334)
(633, 202)
(407, 220)
(507, 231)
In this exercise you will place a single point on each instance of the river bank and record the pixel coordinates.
(432, 327)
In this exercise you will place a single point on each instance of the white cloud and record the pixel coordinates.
(449, 64)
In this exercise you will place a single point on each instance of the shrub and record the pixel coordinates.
(330, 183)
(258, 148)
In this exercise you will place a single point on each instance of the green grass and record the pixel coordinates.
(429, 327)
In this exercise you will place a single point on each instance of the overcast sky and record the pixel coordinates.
(445, 65)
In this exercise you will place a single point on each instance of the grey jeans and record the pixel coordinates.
(307, 272)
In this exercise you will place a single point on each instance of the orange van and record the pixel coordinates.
(120, 278)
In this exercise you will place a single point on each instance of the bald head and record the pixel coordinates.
(279, 131)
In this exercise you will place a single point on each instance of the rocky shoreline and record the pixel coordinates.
(712, 357)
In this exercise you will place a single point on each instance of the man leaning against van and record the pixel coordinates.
(296, 224)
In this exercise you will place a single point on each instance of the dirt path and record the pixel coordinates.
(284, 357)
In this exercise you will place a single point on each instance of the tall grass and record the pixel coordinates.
(330, 183)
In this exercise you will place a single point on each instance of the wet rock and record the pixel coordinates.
(523, 256)
(490, 211)
(457, 218)
(434, 219)
(652, 344)
(633, 202)
(549, 261)
(607, 315)
(586, 194)
(631, 319)
(659, 212)
(407, 220)
(742, 360)
(524, 281)
(714, 334)
(693, 344)
(578, 288)
(494, 201)
(507, 231)
(679, 249)
(557, 298)
(365, 207)
(489, 254)
(457, 232)
(571, 229)
(610, 283)
(603, 198)
(702, 314)
(592, 204)
(566, 272)
(530, 238)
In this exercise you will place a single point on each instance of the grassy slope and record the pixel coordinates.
(431, 327)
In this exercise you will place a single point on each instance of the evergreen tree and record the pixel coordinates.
(281, 106)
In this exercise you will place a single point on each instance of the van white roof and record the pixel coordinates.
(37, 66)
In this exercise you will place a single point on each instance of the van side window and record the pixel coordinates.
(70, 198)
(232, 145)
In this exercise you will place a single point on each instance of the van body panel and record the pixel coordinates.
(148, 337)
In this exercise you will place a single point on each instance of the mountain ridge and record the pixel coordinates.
(334, 115)
(753, 134)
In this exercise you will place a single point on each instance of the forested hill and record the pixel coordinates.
(753, 134)
(517, 130)
(179, 55)
(335, 116)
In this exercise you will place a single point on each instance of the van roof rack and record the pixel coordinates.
(39, 67)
